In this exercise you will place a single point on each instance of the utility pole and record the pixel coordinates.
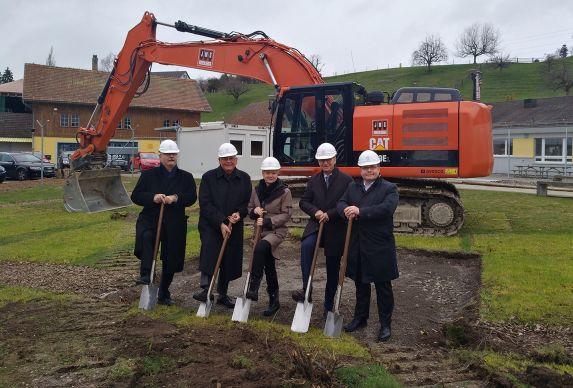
(42, 150)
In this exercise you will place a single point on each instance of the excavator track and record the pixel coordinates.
(428, 207)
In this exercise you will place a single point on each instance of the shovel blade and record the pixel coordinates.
(94, 191)
(148, 297)
(204, 309)
(241, 311)
(301, 319)
(333, 325)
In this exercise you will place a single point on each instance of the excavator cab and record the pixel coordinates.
(307, 116)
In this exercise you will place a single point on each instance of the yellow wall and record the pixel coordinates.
(51, 145)
(524, 148)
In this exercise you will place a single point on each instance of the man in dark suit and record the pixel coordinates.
(371, 202)
(322, 193)
(175, 188)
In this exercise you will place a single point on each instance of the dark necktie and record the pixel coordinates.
(327, 180)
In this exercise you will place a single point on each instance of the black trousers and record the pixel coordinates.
(384, 299)
(263, 260)
(222, 284)
(147, 262)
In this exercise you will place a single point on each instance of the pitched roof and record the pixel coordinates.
(12, 88)
(78, 86)
(15, 124)
(171, 74)
(547, 111)
(255, 114)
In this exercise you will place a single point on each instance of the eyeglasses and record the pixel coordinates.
(371, 167)
(228, 158)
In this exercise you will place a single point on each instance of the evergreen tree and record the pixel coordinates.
(7, 76)
(563, 51)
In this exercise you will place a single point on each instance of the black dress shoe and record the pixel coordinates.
(143, 280)
(384, 334)
(274, 305)
(225, 301)
(357, 323)
(166, 301)
(201, 296)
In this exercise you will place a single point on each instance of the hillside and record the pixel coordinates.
(516, 82)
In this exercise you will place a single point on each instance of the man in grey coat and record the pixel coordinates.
(371, 202)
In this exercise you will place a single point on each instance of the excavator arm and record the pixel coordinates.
(92, 187)
(249, 56)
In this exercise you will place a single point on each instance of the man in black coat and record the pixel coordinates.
(176, 189)
(224, 194)
(371, 202)
(319, 200)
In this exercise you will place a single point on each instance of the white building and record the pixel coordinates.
(199, 146)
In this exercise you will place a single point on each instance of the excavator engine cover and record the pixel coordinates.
(92, 191)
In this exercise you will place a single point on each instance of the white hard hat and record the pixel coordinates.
(325, 151)
(168, 147)
(270, 164)
(368, 158)
(226, 149)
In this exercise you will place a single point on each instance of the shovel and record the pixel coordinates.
(148, 297)
(303, 311)
(205, 307)
(333, 325)
(243, 304)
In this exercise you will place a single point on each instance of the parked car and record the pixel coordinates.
(119, 160)
(145, 161)
(2, 174)
(39, 156)
(22, 165)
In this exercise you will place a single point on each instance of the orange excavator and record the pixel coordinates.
(421, 134)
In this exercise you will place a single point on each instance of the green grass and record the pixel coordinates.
(19, 294)
(366, 376)
(45, 232)
(516, 82)
(527, 262)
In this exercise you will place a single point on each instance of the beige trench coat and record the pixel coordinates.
(279, 211)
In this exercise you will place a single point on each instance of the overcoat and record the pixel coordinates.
(221, 195)
(317, 197)
(174, 225)
(372, 240)
(278, 205)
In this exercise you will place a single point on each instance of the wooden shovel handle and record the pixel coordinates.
(157, 239)
(344, 260)
(255, 241)
(316, 247)
(218, 264)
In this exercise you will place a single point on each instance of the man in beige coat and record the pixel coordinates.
(271, 206)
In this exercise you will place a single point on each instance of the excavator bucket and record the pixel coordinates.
(92, 191)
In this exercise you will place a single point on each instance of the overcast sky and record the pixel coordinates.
(348, 35)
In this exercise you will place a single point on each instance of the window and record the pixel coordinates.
(120, 124)
(238, 145)
(500, 147)
(166, 123)
(176, 123)
(256, 148)
(64, 120)
(552, 150)
(75, 120)
(127, 122)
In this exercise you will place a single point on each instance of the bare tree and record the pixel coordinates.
(549, 61)
(478, 39)
(500, 61)
(51, 60)
(106, 63)
(234, 87)
(560, 76)
(316, 61)
(431, 50)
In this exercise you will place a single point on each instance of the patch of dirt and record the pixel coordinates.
(10, 185)
(95, 343)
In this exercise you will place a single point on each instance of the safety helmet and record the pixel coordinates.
(226, 149)
(368, 158)
(270, 164)
(325, 151)
(168, 147)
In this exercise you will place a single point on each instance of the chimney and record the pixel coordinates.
(94, 62)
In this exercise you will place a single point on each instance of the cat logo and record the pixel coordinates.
(379, 127)
(379, 144)
(206, 57)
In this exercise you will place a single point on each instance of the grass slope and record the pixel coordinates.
(516, 82)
